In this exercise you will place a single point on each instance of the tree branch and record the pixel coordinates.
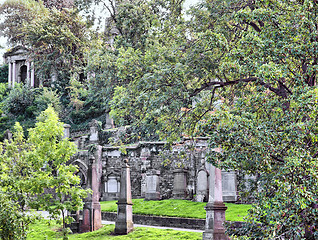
(209, 85)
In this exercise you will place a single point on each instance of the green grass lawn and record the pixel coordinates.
(178, 208)
(42, 231)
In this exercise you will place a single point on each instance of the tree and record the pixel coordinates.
(16, 13)
(58, 42)
(35, 173)
(245, 75)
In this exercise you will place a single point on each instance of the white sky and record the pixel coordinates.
(3, 40)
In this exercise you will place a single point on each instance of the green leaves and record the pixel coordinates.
(258, 136)
(34, 173)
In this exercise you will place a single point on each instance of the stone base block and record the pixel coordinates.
(215, 219)
(152, 196)
(124, 223)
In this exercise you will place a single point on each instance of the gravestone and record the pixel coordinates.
(202, 185)
(229, 186)
(124, 223)
(67, 130)
(112, 187)
(179, 183)
(94, 127)
(109, 122)
(152, 185)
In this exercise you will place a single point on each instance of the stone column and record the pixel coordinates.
(32, 75)
(14, 73)
(215, 208)
(92, 218)
(28, 74)
(10, 74)
(124, 223)
(152, 185)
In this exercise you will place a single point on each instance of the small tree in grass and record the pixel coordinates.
(34, 174)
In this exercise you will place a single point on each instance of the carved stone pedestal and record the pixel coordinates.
(215, 217)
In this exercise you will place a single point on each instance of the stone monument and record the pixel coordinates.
(202, 185)
(124, 223)
(92, 215)
(215, 208)
(180, 183)
(229, 186)
(152, 185)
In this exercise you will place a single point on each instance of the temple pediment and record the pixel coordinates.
(21, 68)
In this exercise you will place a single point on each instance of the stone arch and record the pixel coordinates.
(23, 74)
(82, 170)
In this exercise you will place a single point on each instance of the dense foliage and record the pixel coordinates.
(245, 74)
(242, 72)
(34, 174)
(3, 73)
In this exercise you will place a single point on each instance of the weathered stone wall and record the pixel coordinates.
(175, 168)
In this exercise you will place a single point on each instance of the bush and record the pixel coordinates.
(23, 101)
(12, 221)
(19, 100)
(4, 74)
(45, 98)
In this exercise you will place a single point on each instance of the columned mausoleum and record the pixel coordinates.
(21, 68)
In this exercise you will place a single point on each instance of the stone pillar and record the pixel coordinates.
(180, 183)
(32, 75)
(215, 208)
(152, 185)
(10, 75)
(28, 74)
(67, 128)
(92, 214)
(14, 73)
(124, 223)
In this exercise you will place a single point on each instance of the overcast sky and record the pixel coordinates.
(3, 40)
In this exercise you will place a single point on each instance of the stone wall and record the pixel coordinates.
(156, 172)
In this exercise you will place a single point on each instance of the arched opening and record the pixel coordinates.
(23, 73)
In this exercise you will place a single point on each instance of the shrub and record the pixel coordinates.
(4, 74)
(18, 101)
(44, 98)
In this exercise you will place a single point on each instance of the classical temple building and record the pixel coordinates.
(21, 68)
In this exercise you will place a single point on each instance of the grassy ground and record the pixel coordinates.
(178, 208)
(42, 231)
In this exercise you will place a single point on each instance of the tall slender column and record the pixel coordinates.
(215, 208)
(28, 74)
(124, 222)
(92, 218)
(14, 73)
(10, 74)
(32, 74)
